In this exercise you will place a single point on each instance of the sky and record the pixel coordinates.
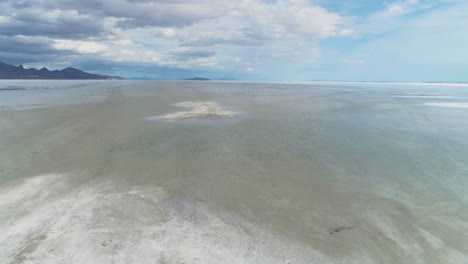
(260, 40)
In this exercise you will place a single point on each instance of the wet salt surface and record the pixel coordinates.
(426, 96)
(447, 105)
(334, 173)
(96, 222)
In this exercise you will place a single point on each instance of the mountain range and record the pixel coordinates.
(8, 71)
(198, 79)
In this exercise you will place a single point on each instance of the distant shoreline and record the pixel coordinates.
(397, 83)
(454, 84)
(12, 72)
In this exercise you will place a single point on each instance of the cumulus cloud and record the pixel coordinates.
(283, 18)
(393, 15)
(346, 32)
(144, 13)
(32, 21)
(175, 33)
(207, 36)
(177, 58)
(429, 46)
(82, 47)
(26, 45)
(21, 49)
(397, 8)
(254, 22)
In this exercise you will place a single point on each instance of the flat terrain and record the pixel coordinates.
(217, 172)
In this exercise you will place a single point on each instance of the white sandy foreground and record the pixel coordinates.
(48, 219)
(203, 109)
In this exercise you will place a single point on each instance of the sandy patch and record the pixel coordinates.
(204, 109)
(45, 221)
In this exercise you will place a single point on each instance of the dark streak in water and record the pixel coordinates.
(12, 89)
(339, 229)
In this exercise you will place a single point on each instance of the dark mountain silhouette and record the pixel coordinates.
(8, 71)
(198, 79)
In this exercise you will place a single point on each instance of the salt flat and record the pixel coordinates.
(226, 172)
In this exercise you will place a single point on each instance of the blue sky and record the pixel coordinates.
(283, 40)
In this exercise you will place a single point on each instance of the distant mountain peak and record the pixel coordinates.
(198, 79)
(8, 71)
(71, 69)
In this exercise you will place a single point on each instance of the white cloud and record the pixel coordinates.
(180, 33)
(249, 69)
(397, 8)
(284, 17)
(354, 61)
(124, 43)
(177, 58)
(168, 33)
(4, 19)
(286, 29)
(255, 22)
(129, 55)
(346, 32)
(429, 47)
(83, 47)
(393, 16)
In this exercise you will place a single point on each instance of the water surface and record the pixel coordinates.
(253, 173)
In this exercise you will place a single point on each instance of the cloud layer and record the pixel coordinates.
(255, 39)
(173, 33)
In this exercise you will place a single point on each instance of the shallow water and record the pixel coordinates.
(258, 173)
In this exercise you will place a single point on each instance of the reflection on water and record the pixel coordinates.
(303, 173)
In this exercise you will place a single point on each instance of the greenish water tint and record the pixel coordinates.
(300, 173)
